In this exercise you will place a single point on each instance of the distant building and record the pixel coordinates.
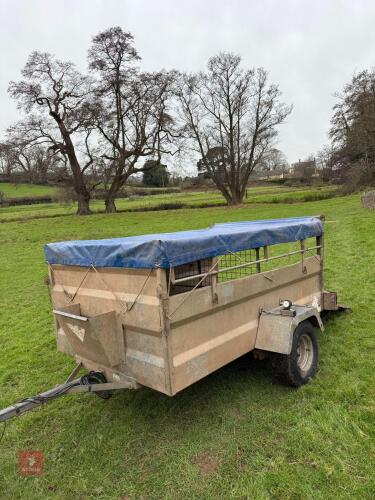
(269, 174)
(304, 169)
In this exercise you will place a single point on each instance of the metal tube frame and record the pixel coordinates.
(257, 262)
(72, 386)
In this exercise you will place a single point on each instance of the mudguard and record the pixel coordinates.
(276, 327)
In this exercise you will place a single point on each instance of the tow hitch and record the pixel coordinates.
(95, 382)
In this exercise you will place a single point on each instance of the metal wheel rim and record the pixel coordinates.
(305, 352)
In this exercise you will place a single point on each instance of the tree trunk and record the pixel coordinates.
(223, 190)
(83, 204)
(236, 197)
(117, 183)
(110, 205)
(83, 195)
(110, 197)
(234, 201)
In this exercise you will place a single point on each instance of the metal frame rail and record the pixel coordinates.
(318, 247)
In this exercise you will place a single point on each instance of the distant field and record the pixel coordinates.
(261, 194)
(236, 433)
(22, 190)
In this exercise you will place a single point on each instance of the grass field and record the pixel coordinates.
(21, 190)
(235, 434)
(272, 194)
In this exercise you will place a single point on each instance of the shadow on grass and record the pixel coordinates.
(214, 396)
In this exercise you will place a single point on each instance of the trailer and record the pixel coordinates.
(165, 310)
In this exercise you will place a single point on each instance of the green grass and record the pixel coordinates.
(22, 190)
(272, 194)
(236, 433)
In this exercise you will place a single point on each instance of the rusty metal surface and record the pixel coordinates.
(329, 300)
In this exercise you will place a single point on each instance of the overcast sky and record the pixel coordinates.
(310, 48)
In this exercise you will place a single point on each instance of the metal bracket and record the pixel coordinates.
(74, 372)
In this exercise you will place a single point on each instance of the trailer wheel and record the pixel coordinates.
(300, 365)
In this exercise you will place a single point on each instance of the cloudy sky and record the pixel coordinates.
(310, 48)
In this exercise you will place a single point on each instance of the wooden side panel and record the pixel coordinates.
(145, 358)
(171, 342)
(205, 336)
(134, 294)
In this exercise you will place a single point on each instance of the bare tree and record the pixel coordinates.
(45, 162)
(130, 110)
(58, 93)
(6, 159)
(326, 160)
(353, 121)
(274, 161)
(230, 115)
(353, 130)
(33, 160)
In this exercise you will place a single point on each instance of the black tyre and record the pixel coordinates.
(300, 365)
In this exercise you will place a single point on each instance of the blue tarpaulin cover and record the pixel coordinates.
(173, 249)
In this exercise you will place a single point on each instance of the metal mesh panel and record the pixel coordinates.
(234, 259)
(238, 258)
